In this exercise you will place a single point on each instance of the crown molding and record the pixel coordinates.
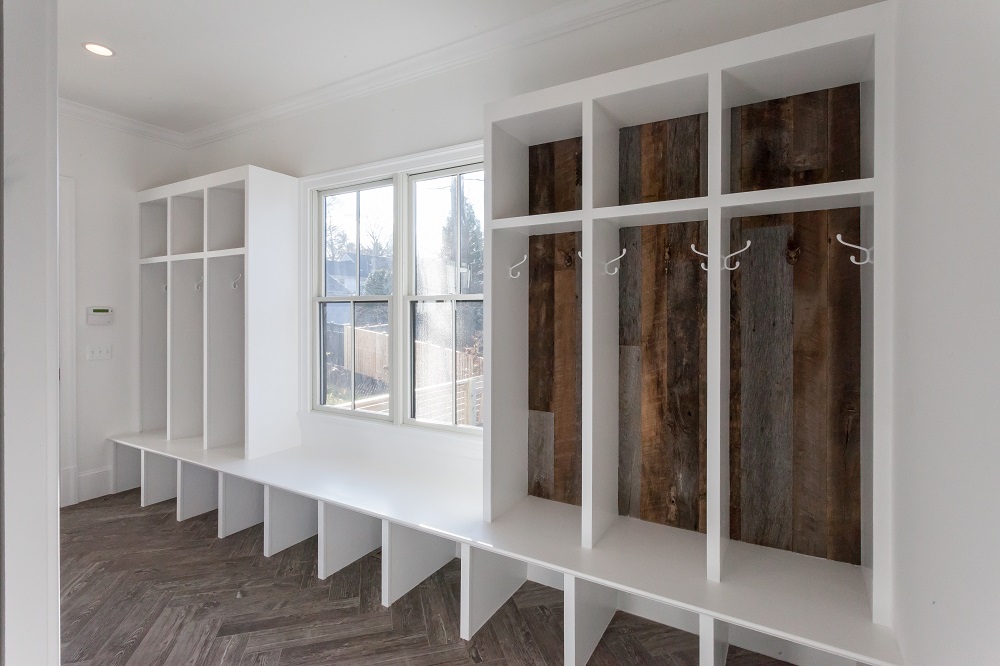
(559, 20)
(90, 114)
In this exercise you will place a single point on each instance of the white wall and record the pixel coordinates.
(447, 108)
(109, 167)
(947, 515)
(30, 330)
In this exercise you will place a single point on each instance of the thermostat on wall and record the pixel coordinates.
(100, 315)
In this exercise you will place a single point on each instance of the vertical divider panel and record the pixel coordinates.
(409, 557)
(127, 468)
(288, 519)
(718, 341)
(505, 432)
(713, 641)
(241, 504)
(600, 381)
(488, 581)
(344, 536)
(225, 360)
(159, 478)
(589, 608)
(197, 490)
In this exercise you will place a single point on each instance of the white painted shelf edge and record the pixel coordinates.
(810, 601)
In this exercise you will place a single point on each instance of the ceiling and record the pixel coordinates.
(185, 65)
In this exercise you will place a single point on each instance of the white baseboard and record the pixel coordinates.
(95, 483)
(69, 487)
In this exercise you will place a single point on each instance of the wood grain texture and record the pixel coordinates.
(766, 389)
(555, 176)
(823, 334)
(844, 457)
(662, 434)
(140, 588)
(555, 374)
(800, 140)
(663, 160)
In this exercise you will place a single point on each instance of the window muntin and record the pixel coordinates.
(446, 312)
(356, 298)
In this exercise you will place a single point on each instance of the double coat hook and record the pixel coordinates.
(607, 266)
(854, 260)
(725, 260)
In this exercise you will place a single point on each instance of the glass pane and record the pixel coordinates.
(434, 231)
(433, 362)
(335, 330)
(340, 225)
(376, 241)
(371, 357)
(471, 233)
(469, 363)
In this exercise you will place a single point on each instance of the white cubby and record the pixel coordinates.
(197, 490)
(664, 101)
(344, 537)
(511, 140)
(197, 360)
(159, 478)
(187, 223)
(409, 557)
(241, 504)
(227, 216)
(153, 228)
(288, 519)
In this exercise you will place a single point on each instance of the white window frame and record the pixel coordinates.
(399, 172)
(410, 296)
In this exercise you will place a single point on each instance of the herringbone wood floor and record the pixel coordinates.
(141, 588)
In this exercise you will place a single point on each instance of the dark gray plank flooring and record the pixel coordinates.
(140, 588)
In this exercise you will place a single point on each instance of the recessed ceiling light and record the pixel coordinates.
(99, 49)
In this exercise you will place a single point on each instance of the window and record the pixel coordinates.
(398, 307)
(446, 310)
(356, 298)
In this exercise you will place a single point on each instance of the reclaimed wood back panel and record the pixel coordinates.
(795, 334)
(555, 373)
(662, 327)
(555, 176)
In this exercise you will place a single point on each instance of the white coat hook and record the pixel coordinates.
(704, 266)
(164, 287)
(236, 282)
(854, 260)
(725, 261)
(511, 271)
(608, 265)
(201, 281)
(579, 254)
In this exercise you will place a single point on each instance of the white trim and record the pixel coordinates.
(398, 171)
(119, 123)
(95, 483)
(68, 487)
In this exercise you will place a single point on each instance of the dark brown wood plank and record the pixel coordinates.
(568, 174)
(567, 377)
(630, 398)
(629, 166)
(541, 322)
(685, 293)
(555, 176)
(656, 503)
(845, 133)
(541, 179)
(765, 145)
(844, 459)
(766, 389)
(810, 143)
(811, 351)
(683, 157)
(735, 375)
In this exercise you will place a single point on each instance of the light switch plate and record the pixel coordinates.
(101, 352)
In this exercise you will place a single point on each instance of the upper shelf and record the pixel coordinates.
(822, 196)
